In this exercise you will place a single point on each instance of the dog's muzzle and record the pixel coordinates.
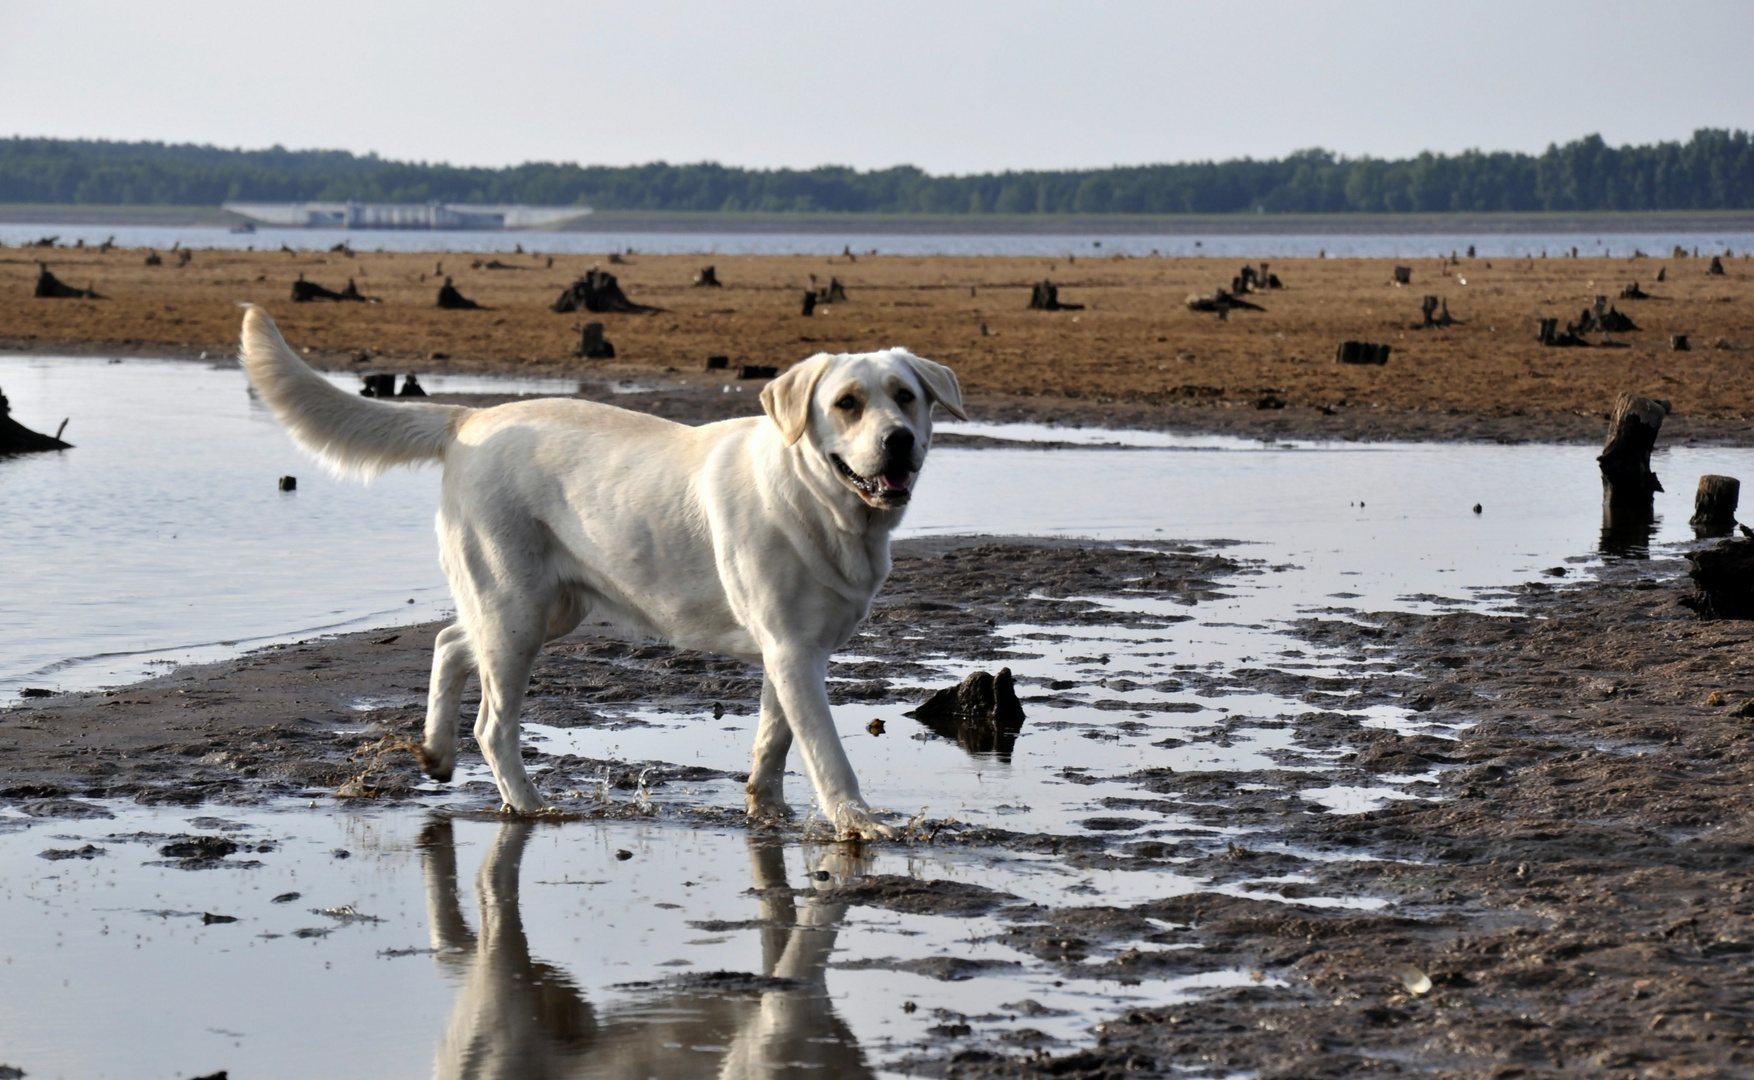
(892, 485)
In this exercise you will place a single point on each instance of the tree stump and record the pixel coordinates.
(1714, 505)
(717, 363)
(1633, 292)
(1662, 273)
(1045, 296)
(411, 387)
(1625, 459)
(757, 371)
(707, 278)
(1723, 581)
(452, 300)
(1678, 343)
(599, 293)
(1403, 275)
(1362, 352)
(1612, 322)
(378, 385)
(836, 293)
(592, 345)
(982, 713)
(154, 259)
(50, 287)
(809, 302)
(288, 483)
(15, 438)
(1716, 269)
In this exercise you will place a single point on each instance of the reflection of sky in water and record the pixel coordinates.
(1259, 244)
(498, 949)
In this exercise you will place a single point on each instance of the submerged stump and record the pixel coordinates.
(1627, 479)
(1723, 581)
(982, 713)
(1714, 505)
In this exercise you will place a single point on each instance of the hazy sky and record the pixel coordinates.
(950, 87)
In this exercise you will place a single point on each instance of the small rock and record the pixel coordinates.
(875, 727)
(623, 855)
(1716, 698)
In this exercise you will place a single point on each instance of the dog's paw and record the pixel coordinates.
(853, 822)
(436, 765)
(769, 811)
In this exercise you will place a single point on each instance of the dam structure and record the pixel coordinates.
(427, 215)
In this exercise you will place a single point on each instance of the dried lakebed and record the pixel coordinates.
(1443, 843)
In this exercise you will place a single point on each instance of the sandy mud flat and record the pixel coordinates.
(1132, 356)
(1509, 840)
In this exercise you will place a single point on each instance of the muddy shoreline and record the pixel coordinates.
(1565, 864)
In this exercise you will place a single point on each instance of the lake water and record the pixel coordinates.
(162, 535)
(1488, 245)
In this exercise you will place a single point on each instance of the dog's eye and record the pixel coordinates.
(904, 396)
(848, 402)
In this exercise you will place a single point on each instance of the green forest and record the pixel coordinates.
(1713, 170)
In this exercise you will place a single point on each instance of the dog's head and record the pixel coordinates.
(867, 417)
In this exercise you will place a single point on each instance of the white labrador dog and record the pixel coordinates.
(764, 539)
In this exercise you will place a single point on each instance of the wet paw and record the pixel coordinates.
(435, 765)
(853, 822)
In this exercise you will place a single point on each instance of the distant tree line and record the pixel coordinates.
(1714, 170)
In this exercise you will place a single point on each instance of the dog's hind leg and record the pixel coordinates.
(452, 661)
(505, 651)
(764, 795)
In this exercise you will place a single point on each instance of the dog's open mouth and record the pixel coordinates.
(889, 488)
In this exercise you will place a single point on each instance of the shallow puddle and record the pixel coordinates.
(397, 942)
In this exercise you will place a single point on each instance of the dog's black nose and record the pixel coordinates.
(899, 444)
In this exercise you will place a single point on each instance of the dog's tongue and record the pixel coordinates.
(895, 481)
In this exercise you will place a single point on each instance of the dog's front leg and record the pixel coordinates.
(764, 795)
(800, 685)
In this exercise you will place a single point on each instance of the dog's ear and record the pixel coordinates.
(940, 382)
(787, 398)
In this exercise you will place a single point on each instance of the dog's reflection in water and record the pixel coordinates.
(518, 1017)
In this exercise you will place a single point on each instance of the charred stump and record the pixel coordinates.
(809, 302)
(833, 293)
(50, 287)
(592, 344)
(1403, 275)
(15, 438)
(1716, 269)
(350, 293)
(1633, 292)
(1221, 303)
(707, 278)
(1714, 505)
(1678, 343)
(378, 386)
(1612, 322)
(1627, 480)
(452, 300)
(306, 292)
(1362, 352)
(718, 363)
(1045, 296)
(982, 713)
(153, 258)
(1662, 273)
(599, 293)
(1723, 581)
(411, 387)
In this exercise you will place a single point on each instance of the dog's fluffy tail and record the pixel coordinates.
(352, 435)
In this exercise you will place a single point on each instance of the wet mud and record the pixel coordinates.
(1485, 843)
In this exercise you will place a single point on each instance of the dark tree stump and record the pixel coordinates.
(1678, 343)
(1434, 314)
(1221, 303)
(982, 713)
(718, 363)
(1723, 581)
(599, 293)
(592, 345)
(1403, 275)
(1625, 458)
(1612, 322)
(289, 483)
(1045, 296)
(1362, 352)
(1633, 292)
(758, 371)
(50, 287)
(411, 387)
(350, 293)
(708, 278)
(809, 302)
(1716, 269)
(1714, 505)
(15, 438)
(835, 293)
(378, 386)
(1662, 273)
(305, 292)
(154, 259)
(452, 300)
